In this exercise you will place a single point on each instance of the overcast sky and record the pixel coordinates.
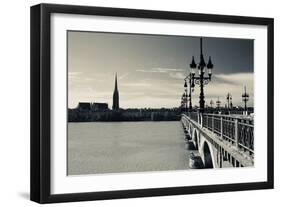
(151, 68)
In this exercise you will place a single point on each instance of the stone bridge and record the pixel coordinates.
(217, 141)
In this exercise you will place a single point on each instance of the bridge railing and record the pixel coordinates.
(236, 129)
(192, 115)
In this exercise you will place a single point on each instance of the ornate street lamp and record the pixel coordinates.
(218, 102)
(189, 95)
(229, 100)
(211, 103)
(245, 98)
(201, 80)
(184, 101)
(185, 96)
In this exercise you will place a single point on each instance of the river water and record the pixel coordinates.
(114, 147)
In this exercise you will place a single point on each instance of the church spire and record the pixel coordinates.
(115, 105)
(116, 86)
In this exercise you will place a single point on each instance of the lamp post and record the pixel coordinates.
(201, 80)
(185, 95)
(218, 102)
(245, 99)
(211, 103)
(184, 102)
(229, 101)
(188, 95)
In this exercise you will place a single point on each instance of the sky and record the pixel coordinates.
(151, 68)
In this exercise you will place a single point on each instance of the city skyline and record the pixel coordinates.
(151, 68)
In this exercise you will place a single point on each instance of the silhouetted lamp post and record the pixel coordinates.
(211, 103)
(184, 102)
(229, 99)
(181, 106)
(185, 95)
(218, 102)
(245, 99)
(188, 96)
(201, 80)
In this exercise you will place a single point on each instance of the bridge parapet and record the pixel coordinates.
(231, 135)
(237, 129)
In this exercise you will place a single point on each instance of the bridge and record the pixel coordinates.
(217, 141)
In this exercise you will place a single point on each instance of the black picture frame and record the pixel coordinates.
(41, 98)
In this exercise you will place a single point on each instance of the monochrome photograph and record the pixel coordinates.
(142, 102)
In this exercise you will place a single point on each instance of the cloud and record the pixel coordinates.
(174, 73)
(123, 76)
(137, 84)
(74, 73)
(234, 78)
(159, 70)
(177, 75)
(74, 76)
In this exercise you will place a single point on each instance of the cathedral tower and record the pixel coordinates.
(115, 105)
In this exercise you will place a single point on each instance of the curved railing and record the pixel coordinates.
(236, 129)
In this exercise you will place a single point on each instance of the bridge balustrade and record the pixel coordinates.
(236, 129)
(246, 135)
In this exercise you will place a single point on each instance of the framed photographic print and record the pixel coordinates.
(133, 103)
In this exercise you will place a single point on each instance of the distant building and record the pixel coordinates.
(115, 105)
(99, 106)
(87, 106)
(84, 106)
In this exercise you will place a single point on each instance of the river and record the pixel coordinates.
(115, 147)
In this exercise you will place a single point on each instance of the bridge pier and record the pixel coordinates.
(195, 161)
(190, 145)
